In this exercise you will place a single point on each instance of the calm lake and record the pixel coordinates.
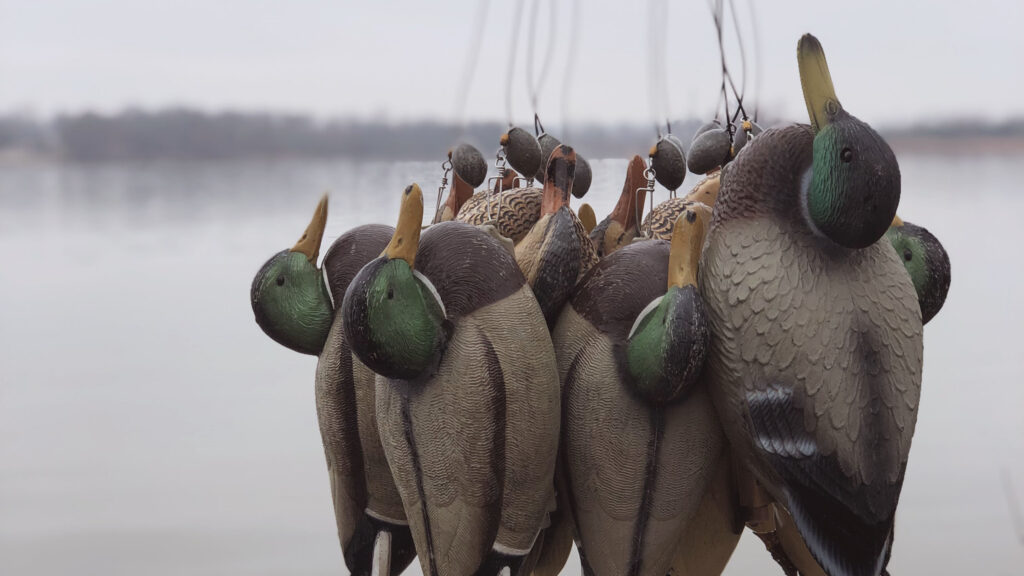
(148, 427)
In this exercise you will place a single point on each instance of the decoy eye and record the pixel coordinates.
(280, 280)
(846, 155)
(908, 255)
(391, 293)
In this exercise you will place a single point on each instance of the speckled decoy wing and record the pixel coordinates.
(478, 441)
(816, 367)
(516, 211)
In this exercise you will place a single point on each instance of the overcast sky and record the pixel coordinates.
(892, 61)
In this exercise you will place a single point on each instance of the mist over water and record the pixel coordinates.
(147, 425)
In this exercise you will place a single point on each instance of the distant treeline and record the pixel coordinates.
(184, 134)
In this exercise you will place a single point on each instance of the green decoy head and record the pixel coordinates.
(853, 188)
(288, 294)
(668, 342)
(394, 318)
(927, 263)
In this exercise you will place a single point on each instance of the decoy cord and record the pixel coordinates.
(510, 72)
(534, 84)
(570, 64)
(469, 66)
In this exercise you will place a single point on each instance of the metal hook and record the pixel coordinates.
(447, 166)
(649, 188)
(499, 166)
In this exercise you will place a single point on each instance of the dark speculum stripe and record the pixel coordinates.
(646, 502)
(570, 386)
(499, 409)
(358, 552)
(410, 439)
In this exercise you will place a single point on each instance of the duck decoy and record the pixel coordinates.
(926, 261)
(816, 349)
(620, 227)
(467, 391)
(294, 303)
(556, 252)
(469, 170)
(668, 161)
(641, 439)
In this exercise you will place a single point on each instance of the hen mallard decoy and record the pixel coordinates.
(294, 303)
(467, 392)
(513, 212)
(556, 252)
(927, 263)
(469, 170)
(620, 227)
(816, 350)
(641, 440)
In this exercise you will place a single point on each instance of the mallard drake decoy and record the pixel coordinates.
(668, 161)
(467, 390)
(926, 261)
(583, 176)
(469, 170)
(620, 227)
(641, 440)
(816, 350)
(556, 252)
(293, 301)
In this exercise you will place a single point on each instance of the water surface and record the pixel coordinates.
(147, 426)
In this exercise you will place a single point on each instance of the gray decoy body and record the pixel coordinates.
(641, 439)
(467, 391)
